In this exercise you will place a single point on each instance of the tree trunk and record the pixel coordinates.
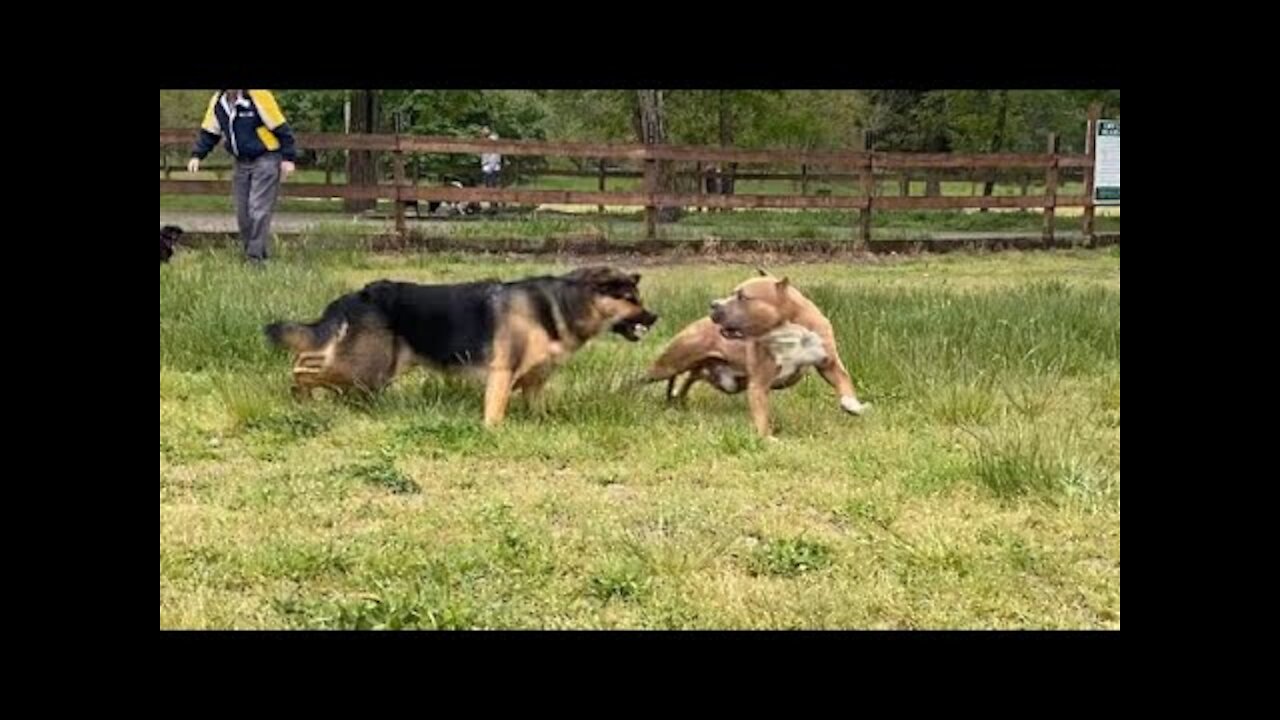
(932, 185)
(726, 180)
(651, 129)
(362, 165)
(997, 139)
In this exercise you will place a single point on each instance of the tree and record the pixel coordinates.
(910, 121)
(981, 121)
(318, 111)
(651, 129)
(462, 113)
(183, 109)
(362, 165)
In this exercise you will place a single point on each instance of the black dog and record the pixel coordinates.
(169, 235)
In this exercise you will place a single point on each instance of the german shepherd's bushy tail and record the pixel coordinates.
(353, 308)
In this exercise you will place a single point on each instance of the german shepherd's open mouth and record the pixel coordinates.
(634, 328)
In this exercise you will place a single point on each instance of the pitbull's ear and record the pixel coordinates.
(782, 285)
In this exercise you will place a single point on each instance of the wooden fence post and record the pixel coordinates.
(1050, 189)
(1091, 149)
(650, 188)
(397, 168)
(868, 190)
(603, 173)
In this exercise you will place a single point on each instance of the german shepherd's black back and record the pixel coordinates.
(447, 325)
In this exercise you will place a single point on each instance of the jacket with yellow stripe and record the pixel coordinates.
(250, 128)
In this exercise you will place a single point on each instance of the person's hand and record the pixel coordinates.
(287, 168)
(193, 165)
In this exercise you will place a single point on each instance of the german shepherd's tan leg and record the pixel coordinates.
(497, 395)
(307, 368)
(532, 387)
(530, 380)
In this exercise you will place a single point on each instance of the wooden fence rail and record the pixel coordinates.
(866, 166)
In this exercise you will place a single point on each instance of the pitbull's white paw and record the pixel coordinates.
(851, 405)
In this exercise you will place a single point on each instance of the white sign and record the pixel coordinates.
(1106, 164)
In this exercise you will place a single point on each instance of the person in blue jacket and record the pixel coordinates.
(254, 131)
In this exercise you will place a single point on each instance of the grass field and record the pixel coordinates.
(982, 490)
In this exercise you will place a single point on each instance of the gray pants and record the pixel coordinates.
(254, 188)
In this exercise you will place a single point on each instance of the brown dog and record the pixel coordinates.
(760, 338)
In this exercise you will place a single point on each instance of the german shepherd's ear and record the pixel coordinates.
(763, 272)
(592, 275)
(602, 276)
(635, 278)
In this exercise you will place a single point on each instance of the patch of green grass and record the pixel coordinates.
(1023, 463)
(381, 472)
(788, 557)
(619, 579)
(289, 425)
(433, 433)
(388, 609)
(967, 403)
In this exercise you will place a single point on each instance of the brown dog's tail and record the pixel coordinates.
(299, 337)
(653, 374)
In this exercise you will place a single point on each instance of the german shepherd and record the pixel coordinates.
(513, 333)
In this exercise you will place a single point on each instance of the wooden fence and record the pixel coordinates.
(865, 166)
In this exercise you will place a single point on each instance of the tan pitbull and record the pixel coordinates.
(760, 338)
